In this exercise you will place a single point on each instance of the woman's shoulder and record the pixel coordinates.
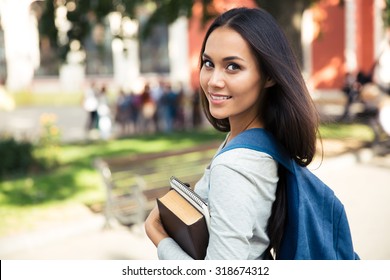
(248, 170)
(243, 157)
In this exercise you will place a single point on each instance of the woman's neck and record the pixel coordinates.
(237, 128)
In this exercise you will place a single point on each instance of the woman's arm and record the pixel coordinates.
(167, 247)
(154, 228)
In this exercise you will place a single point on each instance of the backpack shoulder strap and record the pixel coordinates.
(260, 140)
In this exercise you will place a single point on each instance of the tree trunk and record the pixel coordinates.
(289, 16)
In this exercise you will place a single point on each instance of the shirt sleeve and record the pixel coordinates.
(168, 249)
(240, 201)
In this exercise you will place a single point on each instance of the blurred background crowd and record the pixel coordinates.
(158, 108)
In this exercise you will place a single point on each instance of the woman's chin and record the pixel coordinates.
(219, 116)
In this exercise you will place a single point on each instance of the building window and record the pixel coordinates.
(154, 50)
(99, 51)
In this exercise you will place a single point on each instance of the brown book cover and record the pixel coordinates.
(184, 223)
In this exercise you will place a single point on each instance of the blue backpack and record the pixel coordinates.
(316, 226)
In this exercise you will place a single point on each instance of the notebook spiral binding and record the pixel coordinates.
(194, 196)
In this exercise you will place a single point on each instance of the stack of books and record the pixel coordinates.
(185, 217)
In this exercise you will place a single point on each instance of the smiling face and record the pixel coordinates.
(230, 78)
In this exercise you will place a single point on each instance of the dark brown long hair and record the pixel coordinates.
(286, 109)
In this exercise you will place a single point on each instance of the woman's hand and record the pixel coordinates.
(154, 228)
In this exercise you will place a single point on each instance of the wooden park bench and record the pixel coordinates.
(134, 182)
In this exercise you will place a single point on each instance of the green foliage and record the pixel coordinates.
(85, 13)
(386, 14)
(48, 146)
(359, 132)
(21, 157)
(168, 11)
(46, 24)
(16, 156)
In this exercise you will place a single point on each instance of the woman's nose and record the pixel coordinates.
(216, 79)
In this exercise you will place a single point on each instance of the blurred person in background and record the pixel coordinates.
(90, 105)
(381, 77)
(381, 73)
(353, 85)
(156, 92)
(148, 110)
(168, 105)
(134, 108)
(196, 109)
(122, 112)
(104, 114)
(180, 118)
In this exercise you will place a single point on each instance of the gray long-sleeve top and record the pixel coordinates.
(239, 187)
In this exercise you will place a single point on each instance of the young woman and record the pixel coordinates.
(249, 79)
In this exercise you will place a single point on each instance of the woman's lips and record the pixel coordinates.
(217, 97)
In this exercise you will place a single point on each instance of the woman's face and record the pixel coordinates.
(230, 77)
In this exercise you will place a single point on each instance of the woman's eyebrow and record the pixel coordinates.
(228, 58)
(204, 55)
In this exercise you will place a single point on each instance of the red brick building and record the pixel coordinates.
(345, 38)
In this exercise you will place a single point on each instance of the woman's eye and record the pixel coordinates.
(207, 63)
(233, 67)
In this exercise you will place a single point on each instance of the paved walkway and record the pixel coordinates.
(25, 121)
(81, 240)
(362, 183)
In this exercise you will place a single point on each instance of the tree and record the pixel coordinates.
(79, 14)
(83, 13)
(386, 14)
(289, 15)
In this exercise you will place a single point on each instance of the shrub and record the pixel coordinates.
(16, 156)
(48, 145)
(22, 157)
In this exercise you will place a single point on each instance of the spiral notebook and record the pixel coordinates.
(185, 217)
(192, 197)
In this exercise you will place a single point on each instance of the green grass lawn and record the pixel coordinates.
(26, 199)
(25, 98)
(358, 132)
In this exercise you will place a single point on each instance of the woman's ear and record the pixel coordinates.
(269, 82)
